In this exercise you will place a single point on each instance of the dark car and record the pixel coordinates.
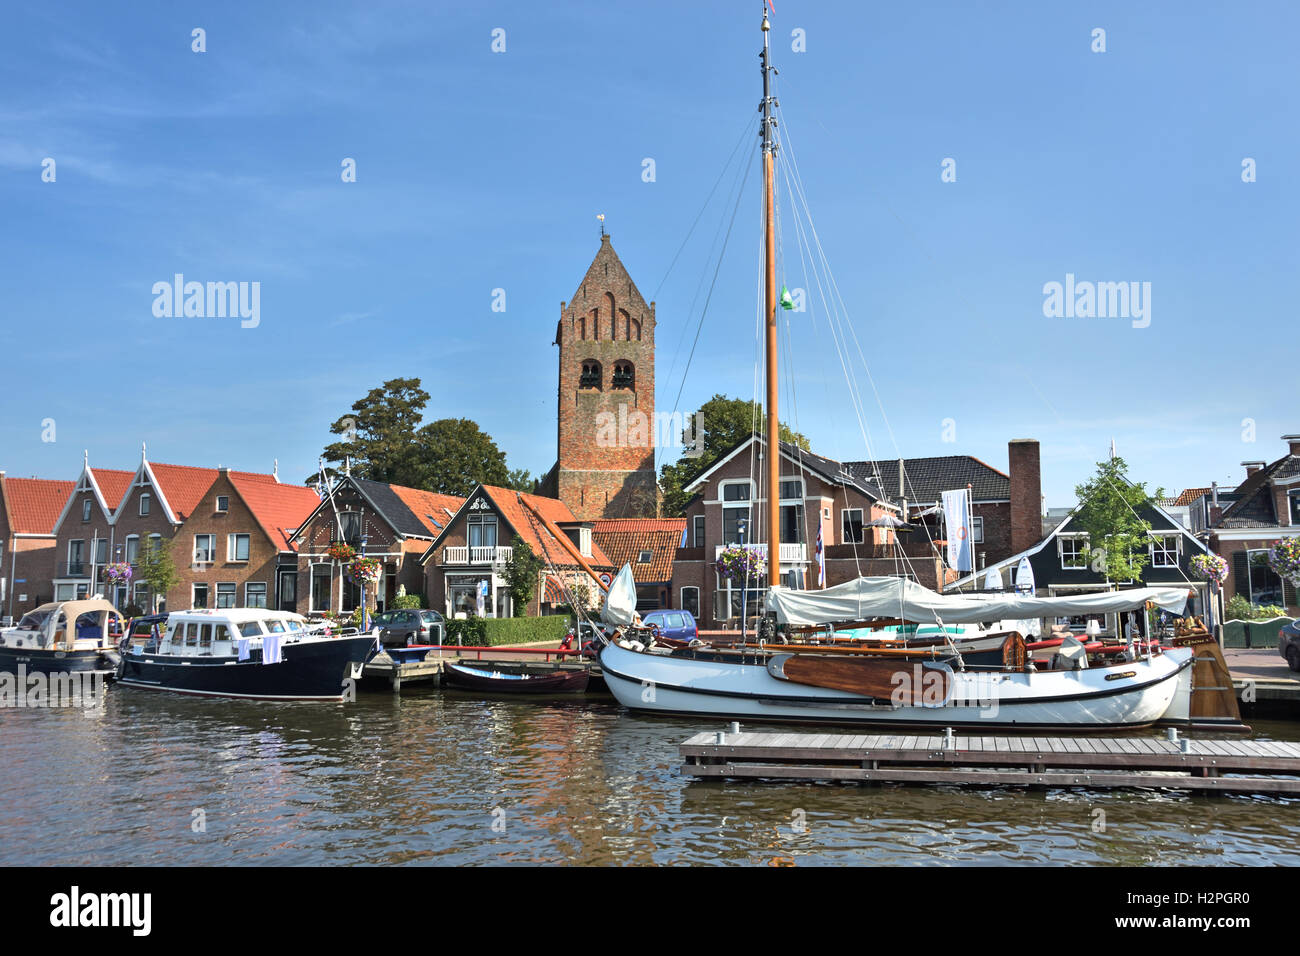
(672, 624)
(407, 626)
(1288, 644)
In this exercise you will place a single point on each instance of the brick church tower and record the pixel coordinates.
(605, 466)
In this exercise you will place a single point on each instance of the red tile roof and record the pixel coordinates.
(185, 485)
(113, 484)
(35, 503)
(535, 533)
(424, 504)
(278, 508)
(1189, 495)
(624, 539)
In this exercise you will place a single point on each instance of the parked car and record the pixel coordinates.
(1288, 644)
(407, 626)
(672, 624)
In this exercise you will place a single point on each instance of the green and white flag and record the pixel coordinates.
(787, 303)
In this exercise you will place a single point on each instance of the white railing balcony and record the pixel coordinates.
(791, 553)
(460, 554)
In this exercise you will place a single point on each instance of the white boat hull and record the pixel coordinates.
(1131, 694)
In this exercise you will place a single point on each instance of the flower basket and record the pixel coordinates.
(742, 565)
(1210, 567)
(1284, 559)
(342, 551)
(119, 573)
(366, 571)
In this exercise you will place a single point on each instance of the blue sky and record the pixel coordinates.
(479, 170)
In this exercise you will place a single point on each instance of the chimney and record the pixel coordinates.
(1293, 441)
(1026, 493)
(1253, 466)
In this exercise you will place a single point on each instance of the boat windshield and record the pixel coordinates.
(275, 627)
(250, 629)
(90, 624)
(33, 620)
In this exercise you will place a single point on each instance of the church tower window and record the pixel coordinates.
(624, 376)
(590, 374)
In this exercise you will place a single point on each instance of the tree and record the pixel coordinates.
(521, 573)
(453, 455)
(726, 423)
(379, 434)
(1109, 511)
(155, 568)
(521, 479)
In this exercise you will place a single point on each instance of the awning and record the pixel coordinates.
(866, 598)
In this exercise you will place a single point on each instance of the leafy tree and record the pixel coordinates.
(453, 455)
(727, 422)
(1109, 510)
(378, 434)
(155, 567)
(521, 574)
(521, 479)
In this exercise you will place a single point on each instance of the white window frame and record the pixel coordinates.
(231, 552)
(126, 549)
(207, 587)
(212, 549)
(844, 538)
(1081, 550)
(233, 592)
(266, 593)
(311, 591)
(1163, 539)
(226, 499)
(146, 503)
(977, 529)
(726, 483)
(85, 508)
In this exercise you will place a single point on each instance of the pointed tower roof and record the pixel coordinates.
(607, 272)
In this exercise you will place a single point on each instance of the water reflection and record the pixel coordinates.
(451, 778)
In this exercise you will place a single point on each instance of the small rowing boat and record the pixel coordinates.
(516, 682)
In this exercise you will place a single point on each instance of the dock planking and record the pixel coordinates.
(1228, 766)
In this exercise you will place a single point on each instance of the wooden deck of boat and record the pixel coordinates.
(1227, 766)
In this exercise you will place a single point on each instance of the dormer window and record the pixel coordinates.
(590, 375)
(223, 504)
(644, 557)
(145, 502)
(624, 376)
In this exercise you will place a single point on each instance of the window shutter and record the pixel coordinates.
(1241, 574)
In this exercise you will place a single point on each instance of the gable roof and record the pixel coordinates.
(182, 487)
(623, 540)
(1255, 508)
(34, 504)
(535, 533)
(828, 469)
(1188, 495)
(430, 508)
(925, 479)
(279, 509)
(113, 485)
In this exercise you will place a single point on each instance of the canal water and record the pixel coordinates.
(450, 778)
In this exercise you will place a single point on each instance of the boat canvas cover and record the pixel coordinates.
(619, 608)
(866, 598)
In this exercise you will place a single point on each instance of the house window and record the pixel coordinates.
(736, 491)
(590, 375)
(76, 556)
(142, 597)
(644, 557)
(85, 509)
(226, 594)
(691, 601)
(237, 547)
(730, 600)
(851, 530)
(482, 531)
(350, 526)
(255, 594)
(792, 528)
(1265, 585)
(132, 548)
(1164, 551)
(624, 376)
(735, 518)
(1073, 550)
(205, 548)
(146, 502)
(101, 551)
(223, 503)
(199, 597)
(698, 522)
(977, 529)
(1295, 507)
(792, 488)
(320, 587)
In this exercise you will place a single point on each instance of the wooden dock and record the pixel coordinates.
(1226, 766)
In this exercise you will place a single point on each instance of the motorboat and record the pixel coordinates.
(64, 637)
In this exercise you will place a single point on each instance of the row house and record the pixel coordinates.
(393, 523)
(29, 509)
(1243, 524)
(649, 546)
(465, 564)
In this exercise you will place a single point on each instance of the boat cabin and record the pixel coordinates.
(95, 623)
(217, 632)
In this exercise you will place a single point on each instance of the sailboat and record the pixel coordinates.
(934, 684)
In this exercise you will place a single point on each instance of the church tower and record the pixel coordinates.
(605, 466)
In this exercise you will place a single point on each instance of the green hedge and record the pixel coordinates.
(493, 632)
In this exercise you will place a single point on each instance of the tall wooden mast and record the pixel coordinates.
(773, 444)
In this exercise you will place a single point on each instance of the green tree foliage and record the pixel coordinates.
(1109, 510)
(727, 422)
(454, 454)
(521, 574)
(155, 567)
(521, 479)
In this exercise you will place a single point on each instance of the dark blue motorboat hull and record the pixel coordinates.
(37, 660)
(313, 671)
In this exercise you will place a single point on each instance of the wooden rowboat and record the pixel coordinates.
(510, 682)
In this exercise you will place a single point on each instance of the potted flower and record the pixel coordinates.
(1210, 567)
(119, 573)
(1284, 559)
(342, 552)
(366, 571)
(741, 564)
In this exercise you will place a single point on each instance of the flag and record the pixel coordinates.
(773, 6)
(821, 560)
(787, 303)
(956, 514)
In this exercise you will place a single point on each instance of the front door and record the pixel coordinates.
(288, 591)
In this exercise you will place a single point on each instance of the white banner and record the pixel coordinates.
(956, 516)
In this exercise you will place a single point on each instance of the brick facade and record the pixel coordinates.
(1026, 512)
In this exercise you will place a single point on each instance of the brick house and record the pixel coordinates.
(233, 538)
(605, 434)
(394, 523)
(1262, 509)
(474, 548)
(650, 546)
(84, 532)
(29, 509)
